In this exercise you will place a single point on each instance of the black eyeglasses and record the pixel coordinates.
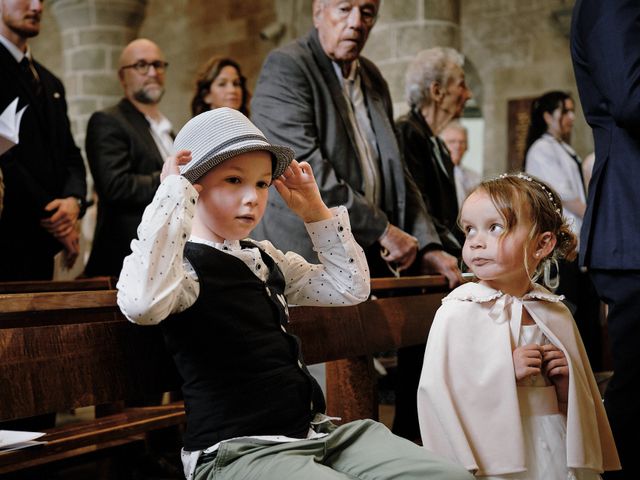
(142, 67)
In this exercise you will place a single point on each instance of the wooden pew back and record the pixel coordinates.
(64, 350)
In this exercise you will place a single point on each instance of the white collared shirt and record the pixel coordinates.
(366, 142)
(552, 161)
(14, 50)
(161, 133)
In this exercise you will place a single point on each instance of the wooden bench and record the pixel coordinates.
(68, 349)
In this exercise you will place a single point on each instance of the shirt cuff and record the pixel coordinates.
(178, 187)
(332, 231)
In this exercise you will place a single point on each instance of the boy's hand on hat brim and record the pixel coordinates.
(298, 188)
(172, 164)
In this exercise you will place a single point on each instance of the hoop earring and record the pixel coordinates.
(551, 283)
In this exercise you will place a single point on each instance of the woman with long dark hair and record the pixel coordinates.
(550, 157)
(220, 83)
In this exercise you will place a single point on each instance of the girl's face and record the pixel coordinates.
(234, 197)
(496, 258)
(225, 90)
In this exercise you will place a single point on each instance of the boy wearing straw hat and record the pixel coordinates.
(253, 409)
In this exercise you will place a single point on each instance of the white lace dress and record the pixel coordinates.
(545, 435)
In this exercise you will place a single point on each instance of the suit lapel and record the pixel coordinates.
(331, 80)
(444, 161)
(11, 70)
(391, 167)
(49, 100)
(141, 127)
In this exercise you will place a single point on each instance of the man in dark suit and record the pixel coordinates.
(331, 105)
(605, 39)
(44, 175)
(126, 145)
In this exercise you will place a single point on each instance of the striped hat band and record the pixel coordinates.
(217, 135)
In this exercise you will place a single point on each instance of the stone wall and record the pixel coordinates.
(520, 49)
(403, 29)
(188, 31)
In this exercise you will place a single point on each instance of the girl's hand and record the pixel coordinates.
(527, 361)
(171, 164)
(297, 186)
(555, 363)
(556, 368)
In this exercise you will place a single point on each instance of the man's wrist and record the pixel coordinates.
(82, 205)
(385, 233)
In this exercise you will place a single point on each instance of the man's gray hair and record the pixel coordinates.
(429, 66)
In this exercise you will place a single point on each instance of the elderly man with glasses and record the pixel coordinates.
(126, 145)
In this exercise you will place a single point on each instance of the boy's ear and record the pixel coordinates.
(546, 244)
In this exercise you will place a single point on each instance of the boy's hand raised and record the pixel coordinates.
(297, 186)
(171, 166)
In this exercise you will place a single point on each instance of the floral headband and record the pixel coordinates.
(544, 188)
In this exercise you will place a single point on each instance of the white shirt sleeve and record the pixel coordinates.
(156, 280)
(342, 277)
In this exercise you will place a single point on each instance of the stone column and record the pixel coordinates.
(94, 33)
(405, 27)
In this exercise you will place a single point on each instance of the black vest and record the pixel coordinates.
(243, 373)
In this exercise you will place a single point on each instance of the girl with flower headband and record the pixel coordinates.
(506, 388)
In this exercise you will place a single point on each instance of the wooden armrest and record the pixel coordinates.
(104, 432)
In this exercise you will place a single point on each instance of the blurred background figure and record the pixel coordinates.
(436, 91)
(606, 62)
(550, 158)
(220, 83)
(126, 145)
(456, 138)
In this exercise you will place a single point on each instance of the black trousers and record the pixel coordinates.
(620, 289)
(581, 295)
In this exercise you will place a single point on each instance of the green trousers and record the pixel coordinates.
(363, 449)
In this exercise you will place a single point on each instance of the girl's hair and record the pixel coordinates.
(547, 103)
(519, 196)
(207, 74)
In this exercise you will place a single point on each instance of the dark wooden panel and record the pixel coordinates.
(75, 365)
(430, 282)
(95, 283)
(75, 439)
(328, 333)
(352, 391)
(393, 322)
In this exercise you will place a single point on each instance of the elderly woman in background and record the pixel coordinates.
(436, 92)
(550, 158)
(220, 83)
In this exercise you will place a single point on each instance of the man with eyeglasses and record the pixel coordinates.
(333, 107)
(44, 175)
(126, 145)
